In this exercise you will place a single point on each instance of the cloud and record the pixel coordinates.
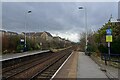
(68, 35)
(56, 17)
(60, 0)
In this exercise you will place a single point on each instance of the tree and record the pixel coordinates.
(82, 41)
(97, 40)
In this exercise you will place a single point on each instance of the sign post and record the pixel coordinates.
(108, 39)
(22, 43)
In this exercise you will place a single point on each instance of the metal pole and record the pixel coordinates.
(86, 41)
(26, 26)
(86, 27)
(109, 49)
(105, 59)
(28, 23)
(25, 30)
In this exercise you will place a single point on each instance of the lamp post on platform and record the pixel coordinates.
(26, 26)
(85, 27)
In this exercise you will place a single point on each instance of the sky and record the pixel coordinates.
(62, 19)
(119, 10)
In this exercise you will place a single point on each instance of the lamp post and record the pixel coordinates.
(26, 26)
(85, 26)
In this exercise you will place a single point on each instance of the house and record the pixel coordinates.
(115, 22)
(46, 36)
(9, 33)
(31, 35)
(39, 36)
(57, 38)
(117, 27)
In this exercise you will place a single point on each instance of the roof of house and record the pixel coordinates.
(115, 21)
(2, 31)
(38, 33)
(31, 33)
(57, 37)
(48, 34)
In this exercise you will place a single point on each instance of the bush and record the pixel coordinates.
(103, 49)
(37, 46)
(20, 48)
(90, 48)
(31, 49)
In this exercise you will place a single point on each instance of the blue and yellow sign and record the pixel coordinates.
(109, 31)
(108, 38)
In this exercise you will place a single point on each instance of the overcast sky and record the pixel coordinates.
(59, 18)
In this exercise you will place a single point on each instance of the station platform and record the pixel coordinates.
(18, 55)
(80, 66)
(87, 68)
(69, 68)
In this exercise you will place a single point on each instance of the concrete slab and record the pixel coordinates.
(87, 68)
(17, 55)
(111, 71)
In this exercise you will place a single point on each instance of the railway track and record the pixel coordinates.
(42, 67)
(49, 70)
(8, 68)
(11, 71)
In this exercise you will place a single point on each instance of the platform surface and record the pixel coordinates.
(80, 66)
(18, 55)
(69, 70)
(87, 68)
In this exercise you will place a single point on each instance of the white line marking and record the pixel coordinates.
(61, 66)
